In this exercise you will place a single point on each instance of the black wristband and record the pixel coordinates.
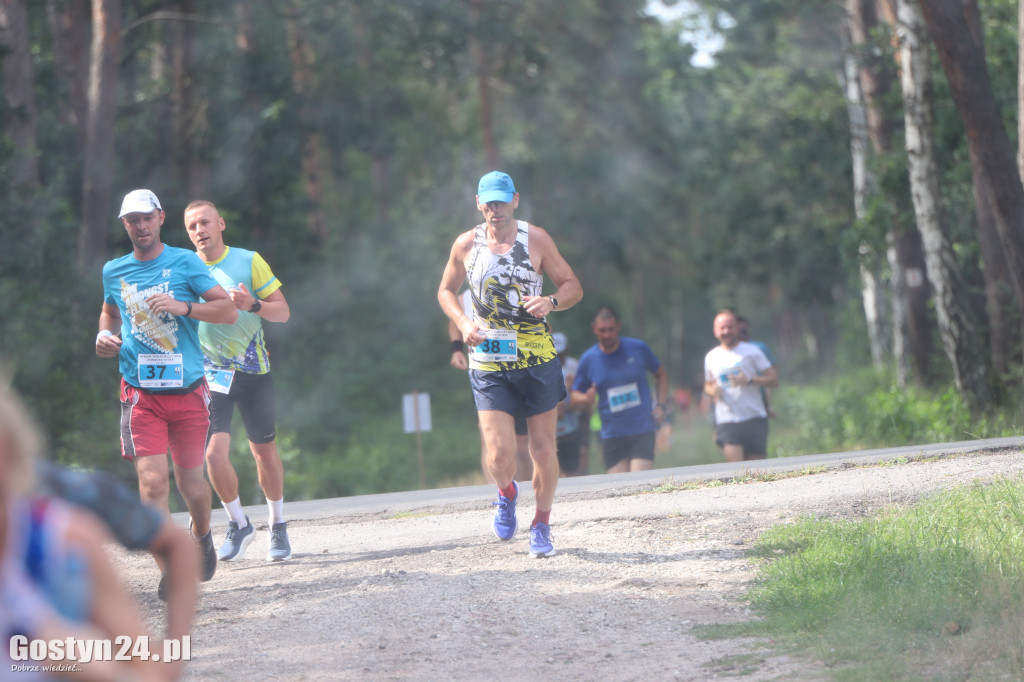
(456, 345)
(189, 311)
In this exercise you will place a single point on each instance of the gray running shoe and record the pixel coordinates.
(280, 548)
(161, 590)
(236, 541)
(209, 554)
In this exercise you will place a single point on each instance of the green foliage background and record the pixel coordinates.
(672, 190)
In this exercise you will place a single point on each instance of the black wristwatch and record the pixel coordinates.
(256, 305)
(554, 302)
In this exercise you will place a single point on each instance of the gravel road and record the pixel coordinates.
(430, 594)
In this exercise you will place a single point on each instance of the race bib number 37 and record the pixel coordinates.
(500, 346)
(159, 370)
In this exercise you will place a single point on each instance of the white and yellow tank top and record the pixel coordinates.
(498, 283)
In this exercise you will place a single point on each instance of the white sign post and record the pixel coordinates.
(416, 415)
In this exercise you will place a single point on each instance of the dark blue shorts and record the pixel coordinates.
(618, 448)
(527, 392)
(752, 435)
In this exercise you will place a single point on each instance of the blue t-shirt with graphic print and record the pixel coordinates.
(159, 351)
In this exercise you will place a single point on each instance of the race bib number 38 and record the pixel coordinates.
(500, 346)
(159, 370)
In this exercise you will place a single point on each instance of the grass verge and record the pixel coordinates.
(933, 592)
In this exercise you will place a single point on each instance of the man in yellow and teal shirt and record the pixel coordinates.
(238, 372)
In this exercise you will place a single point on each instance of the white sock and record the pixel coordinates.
(276, 511)
(235, 513)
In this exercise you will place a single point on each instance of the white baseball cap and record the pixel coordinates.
(139, 201)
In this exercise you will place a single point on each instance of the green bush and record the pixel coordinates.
(864, 409)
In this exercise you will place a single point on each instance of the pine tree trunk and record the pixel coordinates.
(98, 160)
(1020, 87)
(70, 28)
(21, 102)
(954, 26)
(187, 116)
(1004, 339)
(317, 175)
(483, 75)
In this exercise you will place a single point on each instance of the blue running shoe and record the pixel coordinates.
(505, 515)
(540, 541)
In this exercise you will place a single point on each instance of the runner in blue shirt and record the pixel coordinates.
(150, 321)
(615, 372)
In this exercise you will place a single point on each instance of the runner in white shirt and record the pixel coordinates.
(734, 373)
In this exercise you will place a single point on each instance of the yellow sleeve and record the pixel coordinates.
(264, 282)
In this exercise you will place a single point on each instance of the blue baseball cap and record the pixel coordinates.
(495, 186)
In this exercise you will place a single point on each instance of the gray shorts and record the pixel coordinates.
(527, 392)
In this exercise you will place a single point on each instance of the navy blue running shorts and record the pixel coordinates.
(618, 448)
(527, 392)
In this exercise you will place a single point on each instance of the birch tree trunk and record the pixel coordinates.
(911, 328)
(98, 160)
(898, 307)
(870, 279)
(18, 93)
(957, 328)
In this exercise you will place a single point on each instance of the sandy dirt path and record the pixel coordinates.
(430, 594)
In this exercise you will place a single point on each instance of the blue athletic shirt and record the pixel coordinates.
(127, 283)
(239, 346)
(623, 393)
